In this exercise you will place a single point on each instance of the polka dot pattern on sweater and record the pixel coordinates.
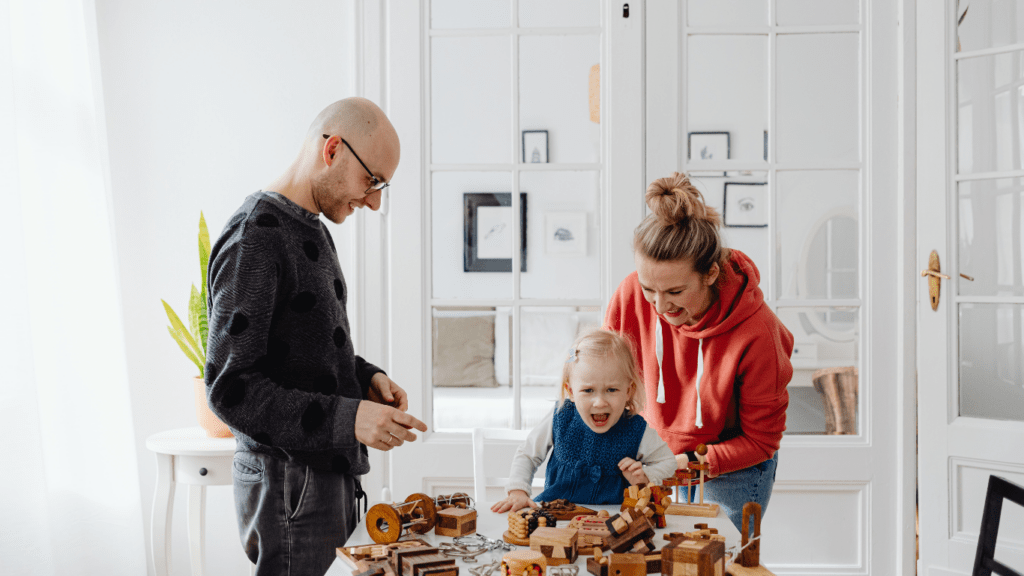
(303, 302)
(313, 417)
(239, 322)
(312, 252)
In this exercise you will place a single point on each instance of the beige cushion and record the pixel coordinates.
(464, 351)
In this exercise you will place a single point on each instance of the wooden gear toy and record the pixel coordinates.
(386, 523)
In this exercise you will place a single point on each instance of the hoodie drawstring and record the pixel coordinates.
(659, 350)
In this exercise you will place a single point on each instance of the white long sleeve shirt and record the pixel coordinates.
(658, 460)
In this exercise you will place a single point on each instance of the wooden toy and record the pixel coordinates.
(687, 557)
(386, 523)
(363, 558)
(562, 509)
(455, 522)
(558, 545)
(642, 496)
(590, 532)
(698, 508)
(456, 500)
(748, 561)
(629, 534)
(523, 563)
(522, 523)
(700, 532)
(600, 565)
(422, 561)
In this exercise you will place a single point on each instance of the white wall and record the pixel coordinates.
(206, 102)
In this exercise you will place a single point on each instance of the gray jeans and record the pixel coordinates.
(290, 517)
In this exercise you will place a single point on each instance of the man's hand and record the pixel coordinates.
(633, 470)
(383, 427)
(383, 390)
(516, 500)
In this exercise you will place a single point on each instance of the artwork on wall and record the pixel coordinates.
(708, 146)
(535, 146)
(746, 204)
(488, 229)
(565, 233)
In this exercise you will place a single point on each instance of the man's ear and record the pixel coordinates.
(330, 149)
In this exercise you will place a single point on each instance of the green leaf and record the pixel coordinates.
(193, 317)
(181, 335)
(204, 252)
(184, 348)
(204, 264)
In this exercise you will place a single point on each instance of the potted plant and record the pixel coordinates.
(192, 340)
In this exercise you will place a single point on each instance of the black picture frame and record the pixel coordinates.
(742, 194)
(765, 145)
(547, 157)
(472, 202)
(702, 136)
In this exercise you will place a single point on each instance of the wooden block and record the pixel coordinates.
(616, 525)
(633, 491)
(653, 561)
(640, 529)
(627, 565)
(738, 570)
(558, 545)
(686, 557)
(423, 562)
(702, 510)
(524, 563)
(596, 568)
(455, 522)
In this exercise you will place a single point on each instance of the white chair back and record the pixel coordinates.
(480, 480)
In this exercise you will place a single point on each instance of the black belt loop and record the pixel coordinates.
(360, 495)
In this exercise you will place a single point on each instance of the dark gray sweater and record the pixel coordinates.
(280, 368)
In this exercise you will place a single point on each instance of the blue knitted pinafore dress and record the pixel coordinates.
(584, 465)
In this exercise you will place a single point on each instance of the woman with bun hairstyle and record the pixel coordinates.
(715, 358)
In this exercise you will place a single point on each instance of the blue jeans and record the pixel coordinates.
(734, 489)
(291, 517)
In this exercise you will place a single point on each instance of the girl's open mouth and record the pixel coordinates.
(599, 419)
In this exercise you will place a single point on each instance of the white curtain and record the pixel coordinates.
(69, 488)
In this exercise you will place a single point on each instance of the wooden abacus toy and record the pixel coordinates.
(523, 563)
(386, 523)
(698, 508)
(523, 522)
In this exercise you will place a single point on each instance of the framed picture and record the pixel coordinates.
(535, 146)
(708, 146)
(746, 205)
(488, 229)
(565, 233)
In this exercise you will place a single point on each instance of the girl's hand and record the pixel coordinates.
(516, 500)
(682, 461)
(633, 470)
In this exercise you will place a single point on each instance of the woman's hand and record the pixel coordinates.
(682, 461)
(516, 500)
(633, 470)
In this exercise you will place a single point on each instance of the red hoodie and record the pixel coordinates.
(746, 352)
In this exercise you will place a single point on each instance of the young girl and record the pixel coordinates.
(598, 443)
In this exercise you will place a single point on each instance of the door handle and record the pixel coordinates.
(934, 274)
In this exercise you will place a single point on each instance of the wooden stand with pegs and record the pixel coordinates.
(698, 508)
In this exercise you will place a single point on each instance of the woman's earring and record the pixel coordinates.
(572, 356)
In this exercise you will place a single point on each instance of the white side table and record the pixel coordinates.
(186, 456)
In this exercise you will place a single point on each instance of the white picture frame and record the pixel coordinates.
(708, 146)
(565, 234)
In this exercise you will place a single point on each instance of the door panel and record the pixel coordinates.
(971, 385)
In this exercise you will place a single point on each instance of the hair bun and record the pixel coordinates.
(674, 199)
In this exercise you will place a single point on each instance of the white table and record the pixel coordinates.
(494, 525)
(186, 456)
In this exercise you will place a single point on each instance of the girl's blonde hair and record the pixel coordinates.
(601, 344)
(680, 226)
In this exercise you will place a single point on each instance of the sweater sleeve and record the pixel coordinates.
(364, 373)
(531, 454)
(658, 460)
(244, 293)
(765, 371)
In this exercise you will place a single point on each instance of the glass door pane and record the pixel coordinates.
(992, 361)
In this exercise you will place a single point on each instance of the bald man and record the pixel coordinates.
(280, 369)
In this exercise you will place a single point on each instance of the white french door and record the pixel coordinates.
(970, 355)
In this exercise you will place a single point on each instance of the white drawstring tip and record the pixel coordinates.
(661, 391)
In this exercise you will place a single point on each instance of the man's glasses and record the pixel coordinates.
(375, 183)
